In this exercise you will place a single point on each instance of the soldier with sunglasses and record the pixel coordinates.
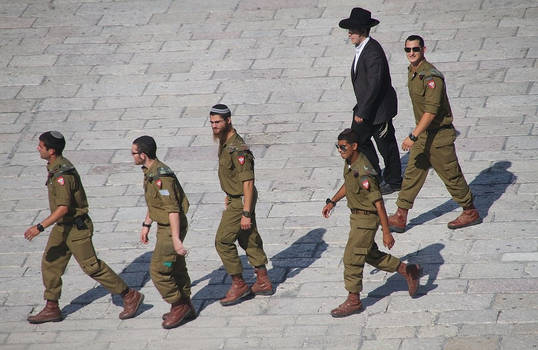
(431, 143)
(361, 189)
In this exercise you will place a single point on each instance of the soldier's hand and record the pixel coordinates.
(326, 211)
(180, 249)
(407, 144)
(31, 232)
(245, 223)
(358, 119)
(144, 235)
(388, 240)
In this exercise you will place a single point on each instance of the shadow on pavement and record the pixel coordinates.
(487, 187)
(430, 260)
(286, 264)
(136, 275)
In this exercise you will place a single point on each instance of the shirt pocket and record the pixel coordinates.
(418, 89)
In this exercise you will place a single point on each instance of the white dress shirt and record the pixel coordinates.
(358, 51)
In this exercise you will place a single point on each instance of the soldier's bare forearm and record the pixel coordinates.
(248, 194)
(56, 215)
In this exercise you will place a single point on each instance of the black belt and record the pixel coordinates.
(364, 212)
(449, 126)
(234, 195)
(78, 221)
(162, 224)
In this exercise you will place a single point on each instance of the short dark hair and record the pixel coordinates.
(349, 136)
(54, 140)
(362, 31)
(222, 110)
(415, 37)
(146, 144)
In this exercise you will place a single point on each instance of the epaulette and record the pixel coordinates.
(165, 171)
(429, 74)
(243, 147)
(367, 170)
(63, 169)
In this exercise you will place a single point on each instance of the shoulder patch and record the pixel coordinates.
(241, 159)
(60, 180)
(365, 182)
(431, 84)
(159, 183)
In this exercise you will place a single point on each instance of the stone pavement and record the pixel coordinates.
(105, 72)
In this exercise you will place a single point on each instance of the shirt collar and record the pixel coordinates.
(358, 48)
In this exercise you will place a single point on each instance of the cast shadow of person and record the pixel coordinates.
(487, 187)
(136, 275)
(430, 260)
(286, 264)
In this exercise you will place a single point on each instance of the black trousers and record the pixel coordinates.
(385, 140)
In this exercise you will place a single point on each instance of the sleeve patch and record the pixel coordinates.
(365, 183)
(431, 84)
(241, 160)
(60, 180)
(159, 183)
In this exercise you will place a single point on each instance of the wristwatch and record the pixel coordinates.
(413, 137)
(328, 200)
(40, 227)
(145, 225)
(245, 213)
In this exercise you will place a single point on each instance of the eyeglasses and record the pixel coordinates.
(342, 148)
(415, 49)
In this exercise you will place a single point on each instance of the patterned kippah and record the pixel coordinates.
(56, 134)
(220, 109)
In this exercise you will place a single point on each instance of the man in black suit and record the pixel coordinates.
(376, 99)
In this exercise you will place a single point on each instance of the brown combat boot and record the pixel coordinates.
(412, 276)
(398, 220)
(131, 302)
(351, 306)
(179, 311)
(239, 289)
(263, 285)
(50, 313)
(468, 217)
(165, 315)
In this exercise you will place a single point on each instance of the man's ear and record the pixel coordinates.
(354, 146)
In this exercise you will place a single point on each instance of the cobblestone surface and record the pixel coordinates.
(104, 72)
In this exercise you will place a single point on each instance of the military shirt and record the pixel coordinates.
(362, 187)
(65, 189)
(163, 193)
(427, 90)
(236, 164)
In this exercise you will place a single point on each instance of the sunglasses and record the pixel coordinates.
(415, 49)
(342, 148)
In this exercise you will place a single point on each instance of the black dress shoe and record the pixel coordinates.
(385, 188)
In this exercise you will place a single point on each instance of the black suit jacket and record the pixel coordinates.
(376, 98)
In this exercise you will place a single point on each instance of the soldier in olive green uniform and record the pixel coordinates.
(71, 235)
(238, 223)
(431, 143)
(361, 189)
(168, 206)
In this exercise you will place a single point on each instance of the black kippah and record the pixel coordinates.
(220, 109)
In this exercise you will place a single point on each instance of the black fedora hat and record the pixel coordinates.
(359, 18)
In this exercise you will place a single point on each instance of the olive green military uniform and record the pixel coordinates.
(434, 147)
(164, 195)
(72, 234)
(236, 164)
(362, 191)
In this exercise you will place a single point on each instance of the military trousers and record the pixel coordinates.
(66, 240)
(434, 149)
(230, 231)
(168, 270)
(361, 248)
